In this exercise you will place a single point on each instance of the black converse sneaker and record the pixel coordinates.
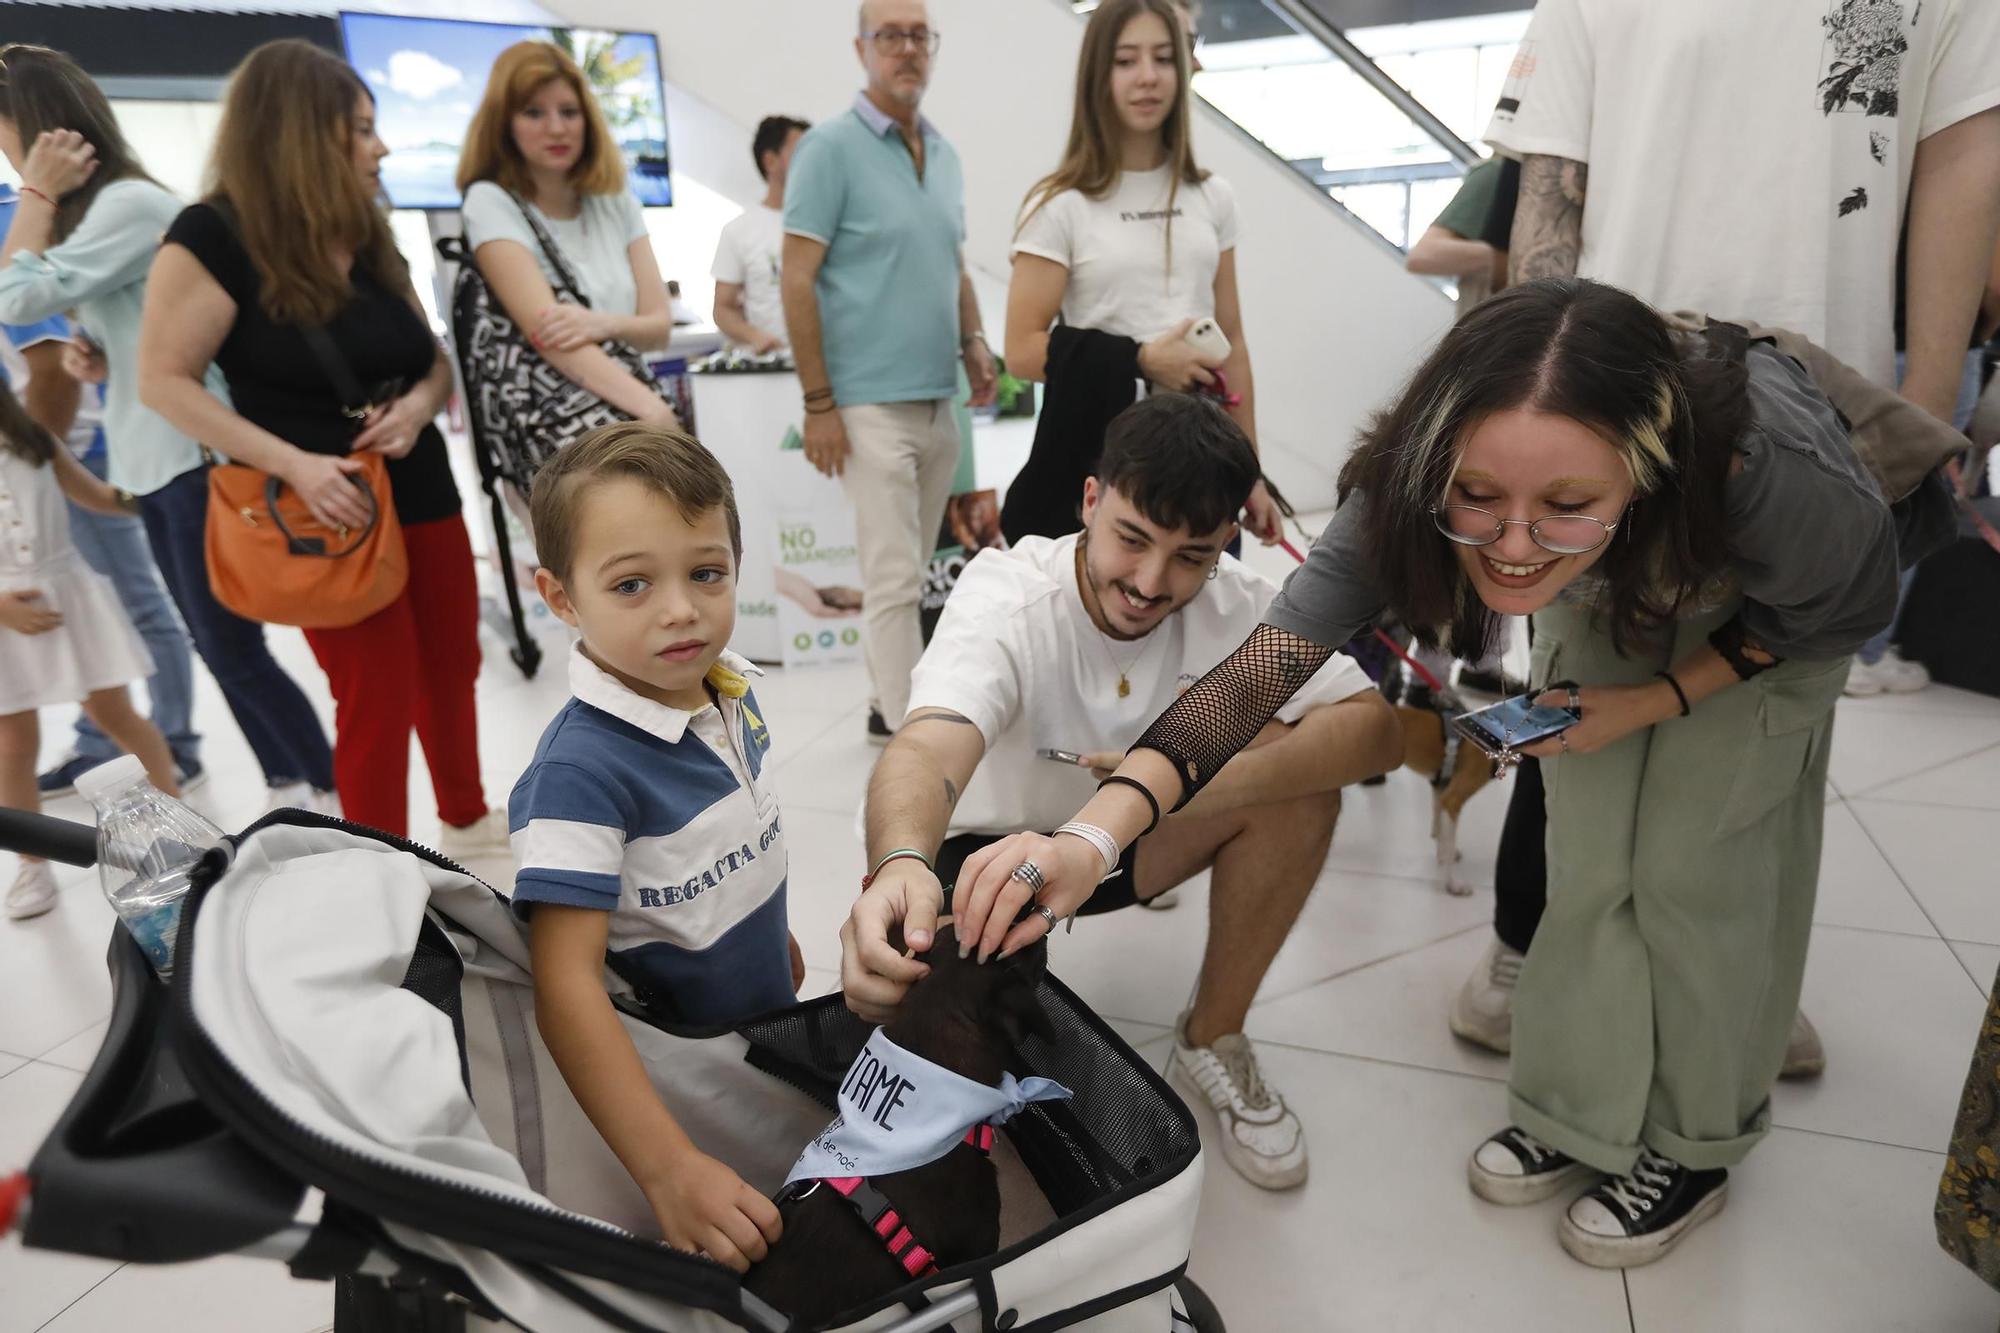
(1514, 1167)
(1637, 1218)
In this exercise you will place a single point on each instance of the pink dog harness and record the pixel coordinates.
(879, 1215)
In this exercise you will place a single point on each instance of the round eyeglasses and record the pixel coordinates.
(1562, 534)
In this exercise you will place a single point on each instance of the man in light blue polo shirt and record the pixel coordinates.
(880, 313)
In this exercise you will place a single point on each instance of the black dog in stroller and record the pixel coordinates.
(851, 1237)
(350, 1025)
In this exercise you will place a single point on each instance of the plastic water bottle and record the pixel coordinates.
(148, 844)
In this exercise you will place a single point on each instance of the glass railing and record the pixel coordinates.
(1382, 119)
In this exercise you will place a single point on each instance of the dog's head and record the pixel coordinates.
(971, 1017)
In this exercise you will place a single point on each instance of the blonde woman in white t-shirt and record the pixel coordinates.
(1119, 252)
(539, 137)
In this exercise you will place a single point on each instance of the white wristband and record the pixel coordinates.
(1106, 845)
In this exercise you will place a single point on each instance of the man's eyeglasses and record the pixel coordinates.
(892, 41)
(1563, 534)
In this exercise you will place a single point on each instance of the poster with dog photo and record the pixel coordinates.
(971, 525)
(816, 564)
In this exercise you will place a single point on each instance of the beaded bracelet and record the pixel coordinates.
(900, 854)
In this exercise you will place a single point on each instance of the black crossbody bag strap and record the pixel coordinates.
(565, 276)
(354, 404)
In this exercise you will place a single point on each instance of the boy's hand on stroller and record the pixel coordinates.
(875, 971)
(24, 613)
(989, 898)
(705, 1207)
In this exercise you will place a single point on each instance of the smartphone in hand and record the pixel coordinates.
(1208, 338)
(1501, 729)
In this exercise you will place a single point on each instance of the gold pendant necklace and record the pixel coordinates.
(1124, 682)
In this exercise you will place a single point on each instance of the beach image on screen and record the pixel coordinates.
(428, 75)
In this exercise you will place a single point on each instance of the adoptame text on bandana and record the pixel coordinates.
(899, 1110)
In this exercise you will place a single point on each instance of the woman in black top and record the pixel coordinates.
(290, 236)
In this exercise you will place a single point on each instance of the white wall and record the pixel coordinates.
(1333, 322)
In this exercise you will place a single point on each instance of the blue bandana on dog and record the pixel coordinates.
(899, 1111)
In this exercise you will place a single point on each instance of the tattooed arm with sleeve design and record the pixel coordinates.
(1548, 219)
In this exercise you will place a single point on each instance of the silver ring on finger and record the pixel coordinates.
(1043, 911)
(1562, 739)
(1030, 874)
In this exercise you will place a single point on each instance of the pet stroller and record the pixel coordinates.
(345, 1074)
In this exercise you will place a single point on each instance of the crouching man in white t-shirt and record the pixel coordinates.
(1076, 644)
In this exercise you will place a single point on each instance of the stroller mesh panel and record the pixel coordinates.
(435, 973)
(1122, 1127)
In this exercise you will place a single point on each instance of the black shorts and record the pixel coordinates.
(1115, 892)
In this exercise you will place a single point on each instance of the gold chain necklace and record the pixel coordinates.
(1104, 640)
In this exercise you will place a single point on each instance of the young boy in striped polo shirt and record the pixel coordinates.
(646, 831)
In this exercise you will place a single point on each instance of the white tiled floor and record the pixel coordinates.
(1828, 1226)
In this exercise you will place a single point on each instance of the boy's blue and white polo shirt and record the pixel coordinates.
(664, 819)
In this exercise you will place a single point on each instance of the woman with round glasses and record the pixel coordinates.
(1688, 522)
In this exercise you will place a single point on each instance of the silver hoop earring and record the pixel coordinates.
(1213, 570)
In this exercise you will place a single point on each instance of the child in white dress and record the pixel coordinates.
(63, 636)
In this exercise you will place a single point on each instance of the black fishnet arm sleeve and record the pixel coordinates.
(1224, 710)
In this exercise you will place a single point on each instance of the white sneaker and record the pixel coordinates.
(303, 796)
(1805, 1055)
(33, 893)
(1483, 1014)
(1891, 675)
(484, 839)
(1261, 1137)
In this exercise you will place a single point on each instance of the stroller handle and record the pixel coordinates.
(52, 839)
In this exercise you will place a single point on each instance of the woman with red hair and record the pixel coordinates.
(540, 160)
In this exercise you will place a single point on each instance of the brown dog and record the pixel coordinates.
(1456, 771)
(970, 1019)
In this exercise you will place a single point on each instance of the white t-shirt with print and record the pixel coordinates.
(1116, 250)
(1016, 654)
(1751, 157)
(748, 255)
(596, 243)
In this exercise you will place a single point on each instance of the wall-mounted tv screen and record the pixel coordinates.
(429, 74)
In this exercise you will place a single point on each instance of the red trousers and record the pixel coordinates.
(411, 665)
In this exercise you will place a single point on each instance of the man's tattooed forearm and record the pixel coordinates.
(1548, 219)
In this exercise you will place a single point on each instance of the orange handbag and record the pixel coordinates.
(270, 559)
